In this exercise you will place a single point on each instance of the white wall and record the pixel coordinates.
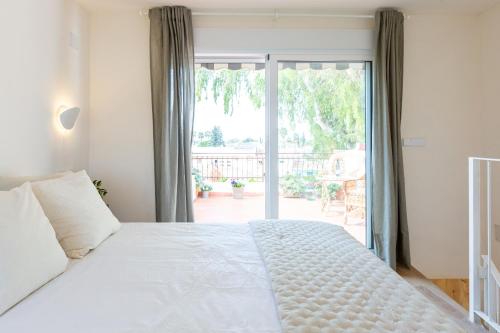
(39, 71)
(490, 80)
(441, 104)
(490, 96)
(283, 40)
(452, 84)
(121, 139)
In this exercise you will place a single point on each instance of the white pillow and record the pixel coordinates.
(30, 255)
(75, 209)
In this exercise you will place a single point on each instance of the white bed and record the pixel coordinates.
(156, 278)
(266, 277)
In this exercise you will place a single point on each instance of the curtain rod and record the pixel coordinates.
(275, 14)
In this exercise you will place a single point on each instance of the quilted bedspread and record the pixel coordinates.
(325, 281)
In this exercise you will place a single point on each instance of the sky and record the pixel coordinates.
(245, 122)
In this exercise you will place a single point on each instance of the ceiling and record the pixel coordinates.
(358, 6)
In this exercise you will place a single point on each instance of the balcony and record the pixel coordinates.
(312, 186)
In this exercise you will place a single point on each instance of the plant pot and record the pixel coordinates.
(238, 192)
(340, 195)
(292, 195)
(205, 194)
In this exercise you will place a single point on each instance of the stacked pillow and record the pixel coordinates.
(75, 209)
(39, 222)
(30, 255)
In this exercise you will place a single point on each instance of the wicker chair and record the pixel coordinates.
(346, 169)
(355, 198)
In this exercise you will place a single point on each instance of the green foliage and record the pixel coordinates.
(206, 187)
(212, 138)
(216, 138)
(331, 102)
(197, 177)
(101, 190)
(293, 186)
(299, 186)
(237, 183)
(333, 188)
(228, 85)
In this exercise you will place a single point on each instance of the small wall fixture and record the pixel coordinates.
(68, 117)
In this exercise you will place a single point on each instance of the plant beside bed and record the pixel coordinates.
(101, 190)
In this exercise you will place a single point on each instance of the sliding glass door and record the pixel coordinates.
(228, 156)
(321, 143)
(290, 133)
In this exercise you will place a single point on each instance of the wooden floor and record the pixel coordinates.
(444, 298)
(457, 289)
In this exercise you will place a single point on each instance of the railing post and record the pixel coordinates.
(489, 303)
(474, 238)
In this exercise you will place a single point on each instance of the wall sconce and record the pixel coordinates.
(68, 117)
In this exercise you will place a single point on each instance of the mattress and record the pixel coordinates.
(157, 278)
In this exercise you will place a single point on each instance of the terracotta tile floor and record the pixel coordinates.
(224, 209)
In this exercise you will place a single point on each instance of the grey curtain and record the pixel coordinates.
(172, 88)
(389, 220)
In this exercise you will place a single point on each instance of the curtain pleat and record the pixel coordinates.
(172, 89)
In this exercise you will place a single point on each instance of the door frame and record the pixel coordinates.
(271, 144)
(271, 117)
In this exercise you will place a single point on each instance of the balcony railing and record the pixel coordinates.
(251, 166)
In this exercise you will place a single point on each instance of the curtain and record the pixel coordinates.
(389, 219)
(172, 89)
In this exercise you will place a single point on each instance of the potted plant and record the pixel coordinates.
(198, 180)
(205, 190)
(101, 190)
(293, 186)
(334, 191)
(238, 188)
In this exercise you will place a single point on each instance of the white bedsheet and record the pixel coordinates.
(157, 278)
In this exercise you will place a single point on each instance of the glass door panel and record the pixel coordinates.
(228, 142)
(321, 143)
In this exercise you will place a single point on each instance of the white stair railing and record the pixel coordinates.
(484, 277)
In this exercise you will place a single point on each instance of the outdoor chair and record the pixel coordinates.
(347, 169)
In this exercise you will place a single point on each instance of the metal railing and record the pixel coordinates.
(484, 278)
(251, 166)
(220, 166)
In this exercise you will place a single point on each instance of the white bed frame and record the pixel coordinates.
(484, 277)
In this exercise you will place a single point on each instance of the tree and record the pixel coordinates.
(329, 101)
(248, 140)
(216, 137)
(229, 84)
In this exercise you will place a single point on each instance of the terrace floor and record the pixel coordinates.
(223, 208)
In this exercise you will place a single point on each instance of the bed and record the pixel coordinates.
(262, 277)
